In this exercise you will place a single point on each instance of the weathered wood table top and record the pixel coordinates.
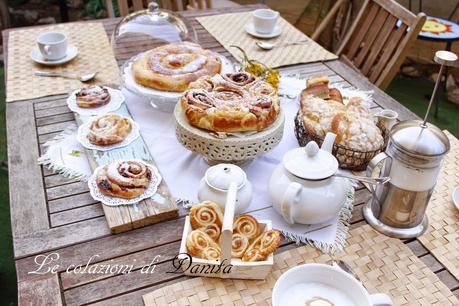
(56, 217)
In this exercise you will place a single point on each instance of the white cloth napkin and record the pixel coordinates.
(183, 170)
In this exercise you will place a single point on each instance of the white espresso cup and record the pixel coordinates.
(264, 20)
(52, 45)
(324, 285)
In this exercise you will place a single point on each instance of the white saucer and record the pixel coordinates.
(249, 28)
(36, 56)
(456, 197)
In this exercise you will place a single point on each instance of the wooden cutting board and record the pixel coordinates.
(123, 218)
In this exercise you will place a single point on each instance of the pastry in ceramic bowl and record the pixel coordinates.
(109, 129)
(174, 66)
(92, 96)
(124, 179)
(233, 102)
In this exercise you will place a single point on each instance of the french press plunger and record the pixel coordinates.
(412, 160)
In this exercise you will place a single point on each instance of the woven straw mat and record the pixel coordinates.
(442, 235)
(383, 264)
(95, 54)
(229, 29)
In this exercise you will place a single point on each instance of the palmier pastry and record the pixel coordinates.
(172, 67)
(246, 225)
(213, 230)
(198, 241)
(211, 253)
(234, 102)
(261, 247)
(204, 214)
(124, 179)
(92, 96)
(239, 243)
(109, 129)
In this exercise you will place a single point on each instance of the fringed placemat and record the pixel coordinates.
(95, 54)
(229, 29)
(442, 235)
(383, 264)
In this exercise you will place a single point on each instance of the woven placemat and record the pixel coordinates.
(95, 54)
(383, 264)
(229, 29)
(442, 235)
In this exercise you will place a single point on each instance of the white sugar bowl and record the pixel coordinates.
(215, 184)
(303, 187)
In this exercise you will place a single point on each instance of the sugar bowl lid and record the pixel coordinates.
(310, 162)
(222, 175)
(412, 137)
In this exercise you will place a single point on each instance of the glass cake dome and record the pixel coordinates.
(146, 29)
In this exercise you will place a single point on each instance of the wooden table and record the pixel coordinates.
(52, 214)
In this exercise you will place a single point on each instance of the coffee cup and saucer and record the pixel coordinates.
(323, 285)
(53, 49)
(264, 24)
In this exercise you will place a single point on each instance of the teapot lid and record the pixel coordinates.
(310, 162)
(220, 176)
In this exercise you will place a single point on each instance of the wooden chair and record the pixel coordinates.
(378, 40)
(173, 5)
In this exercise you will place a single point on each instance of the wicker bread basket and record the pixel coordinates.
(347, 158)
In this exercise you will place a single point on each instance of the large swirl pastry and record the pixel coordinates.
(124, 179)
(172, 67)
(204, 214)
(109, 129)
(246, 225)
(200, 245)
(92, 96)
(233, 102)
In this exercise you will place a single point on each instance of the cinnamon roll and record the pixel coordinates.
(172, 67)
(240, 243)
(109, 129)
(204, 214)
(233, 102)
(92, 96)
(124, 179)
(246, 225)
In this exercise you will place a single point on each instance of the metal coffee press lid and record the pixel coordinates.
(417, 142)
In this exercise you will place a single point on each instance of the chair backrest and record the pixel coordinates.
(173, 5)
(379, 40)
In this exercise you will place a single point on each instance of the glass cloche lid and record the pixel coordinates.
(146, 29)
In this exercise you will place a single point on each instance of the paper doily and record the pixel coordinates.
(114, 201)
(83, 139)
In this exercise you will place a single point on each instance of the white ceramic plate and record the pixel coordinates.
(249, 28)
(456, 197)
(114, 201)
(37, 57)
(83, 130)
(116, 99)
(163, 100)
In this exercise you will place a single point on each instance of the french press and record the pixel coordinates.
(412, 160)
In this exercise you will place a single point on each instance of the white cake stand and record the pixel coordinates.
(162, 100)
(233, 149)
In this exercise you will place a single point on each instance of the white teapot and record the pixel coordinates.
(304, 188)
(215, 184)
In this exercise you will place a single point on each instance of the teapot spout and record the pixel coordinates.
(328, 142)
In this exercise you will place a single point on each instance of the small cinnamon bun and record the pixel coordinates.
(92, 96)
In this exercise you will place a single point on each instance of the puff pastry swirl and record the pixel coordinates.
(92, 96)
(233, 102)
(109, 129)
(172, 67)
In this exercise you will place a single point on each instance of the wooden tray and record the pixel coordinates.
(127, 217)
(383, 264)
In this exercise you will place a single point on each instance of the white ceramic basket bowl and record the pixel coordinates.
(234, 150)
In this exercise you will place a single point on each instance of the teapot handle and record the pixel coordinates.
(378, 159)
(291, 197)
